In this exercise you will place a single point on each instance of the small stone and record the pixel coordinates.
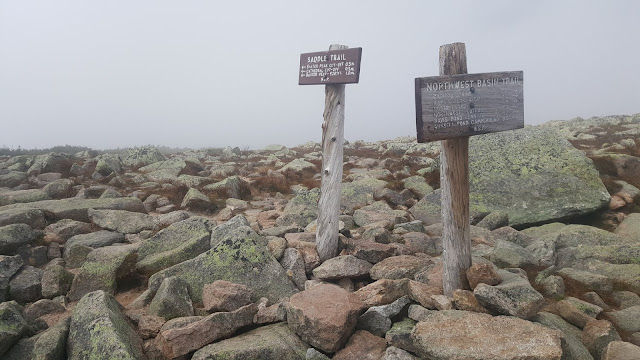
(482, 273)
(442, 302)
(465, 300)
(362, 346)
(394, 353)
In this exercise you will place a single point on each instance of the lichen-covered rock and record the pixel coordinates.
(109, 163)
(9, 266)
(31, 217)
(195, 200)
(14, 236)
(141, 156)
(103, 268)
(223, 295)
(13, 325)
(65, 229)
(172, 299)
(51, 344)
(301, 210)
(572, 346)
(271, 342)
(79, 246)
(471, 335)
(233, 186)
(377, 319)
(12, 178)
(345, 266)
(418, 185)
(178, 242)
(359, 193)
(99, 330)
(237, 258)
(399, 267)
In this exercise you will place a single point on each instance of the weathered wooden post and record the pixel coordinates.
(334, 68)
(451, 107)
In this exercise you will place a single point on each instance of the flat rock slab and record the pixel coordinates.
(477, 336)
(345, 266)
(271, 342)
(324, 316)
(514, 296)
(126, 222)
(78, 209)
(99, 330)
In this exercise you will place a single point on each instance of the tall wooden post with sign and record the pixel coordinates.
(334, 68)
(451, 107)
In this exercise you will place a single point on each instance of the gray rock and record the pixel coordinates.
(109, 163)
(51, 344)
(509, 255)
(32, 217)
(587, 280)
(620, 350)
(236, 258)
(394, 353)
(293, 262)
(514, 296)
(359, 193)
(56, 281)
(179, 242)
(301, 210)
(79, 246)
(195, 200)
(345, 266)
(59, 189)
(577, 312)
(103, 268)
(376, 212)
(23, 196)
(23, 349)
(495, 220)
(122, 221)
(233, 186)
(271, 342)
(626, 320)
(42, 307)
(77, 209)
(12, 178)
(377, 319)
(572, 347)
(141, 156)
(418, 185)
(9, 266)
(625, 299)
(14, 236)
(99, 330)
(172, 299)
(399, 335)
(64, 229)
(26, 285)
(14, 326)
(313, 354)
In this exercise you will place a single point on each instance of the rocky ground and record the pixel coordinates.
(211, 254)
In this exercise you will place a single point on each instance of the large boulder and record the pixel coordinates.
(26, 285)
(237, 258)
(77, 209)
(9, 266)
(14, 236)
(533, 174)
(179, 242)
(476, 336)
(513, 296)
(109, 163)
(572, 346)
(233, 187)
(324, 316)
(271, 342)
(12, 178)
(126, 222)
(359, 193)
(99, 330)
(301, 210)
(32, 217)
(141, 156)
(79, 246)
(103, 268)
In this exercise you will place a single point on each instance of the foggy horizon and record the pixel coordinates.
(203, 74)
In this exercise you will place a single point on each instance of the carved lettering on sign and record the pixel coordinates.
(330, 67)
(470, 104)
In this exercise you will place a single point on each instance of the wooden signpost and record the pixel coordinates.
(334, 68)
(451, 107)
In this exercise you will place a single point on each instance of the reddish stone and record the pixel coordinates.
(180, 341)
(482, 273)
(465, 300)
(382, 292)
(324, 316)
(421, 293)
(363, 345)
(223, 295)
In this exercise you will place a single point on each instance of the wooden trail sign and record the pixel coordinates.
(336, 67)
(451, 107)
(466, 105)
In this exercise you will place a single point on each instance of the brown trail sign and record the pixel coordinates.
(451, 107)
(334, 68)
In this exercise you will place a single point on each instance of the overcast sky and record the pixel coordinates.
(203, 73)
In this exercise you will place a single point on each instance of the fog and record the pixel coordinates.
(108, 74)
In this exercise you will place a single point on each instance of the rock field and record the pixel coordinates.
(210, 254)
